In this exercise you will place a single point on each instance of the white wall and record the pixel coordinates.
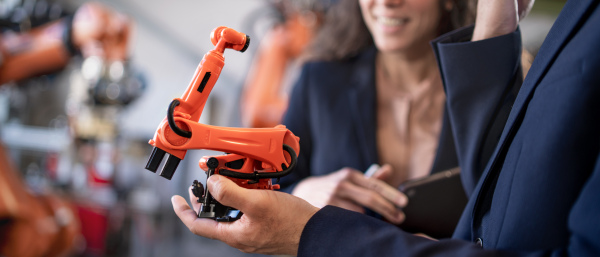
(170, 39)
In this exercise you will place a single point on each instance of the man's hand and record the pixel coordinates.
(350, 189)
(272, 222)
(499, 17)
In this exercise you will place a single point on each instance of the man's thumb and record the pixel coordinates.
(227, 192)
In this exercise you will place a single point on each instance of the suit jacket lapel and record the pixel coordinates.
(362, 97)
(564, 27)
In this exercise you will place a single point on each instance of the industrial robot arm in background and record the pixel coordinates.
(47, 218)
(93, 30)
(278, 59)
(253, 155)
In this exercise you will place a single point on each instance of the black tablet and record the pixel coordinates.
(435, 204)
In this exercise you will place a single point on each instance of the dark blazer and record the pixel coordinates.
(333, 111)
(540, 192)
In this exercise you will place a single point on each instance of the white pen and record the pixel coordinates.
(371, 170)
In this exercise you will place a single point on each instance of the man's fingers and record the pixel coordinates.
(230, 194)
(371, 200)
(202, 227)
(194, 200)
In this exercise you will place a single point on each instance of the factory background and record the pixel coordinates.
(169, 40)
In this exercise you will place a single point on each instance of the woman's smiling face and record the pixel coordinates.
(401, 25)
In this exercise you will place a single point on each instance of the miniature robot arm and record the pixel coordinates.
(191, 103)
(180, 131)
(253, 155)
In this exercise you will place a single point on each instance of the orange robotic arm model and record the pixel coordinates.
(254, 156)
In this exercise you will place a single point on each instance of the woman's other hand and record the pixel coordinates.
(499, 17)
(350, 189)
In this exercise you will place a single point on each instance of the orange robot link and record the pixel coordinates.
(254, 155)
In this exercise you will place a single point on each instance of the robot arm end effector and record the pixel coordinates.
(229, 38)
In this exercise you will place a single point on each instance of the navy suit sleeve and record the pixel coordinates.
(297, 120)
(337, 232)
(584, 219)
(333, 231)
(481, 80)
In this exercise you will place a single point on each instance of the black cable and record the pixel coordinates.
(171, 120)
(256, 176)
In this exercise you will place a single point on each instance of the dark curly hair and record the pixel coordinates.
(344, 33)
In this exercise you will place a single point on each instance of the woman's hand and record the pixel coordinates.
(499, 17)
(350, 189)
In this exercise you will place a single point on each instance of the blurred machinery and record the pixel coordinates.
(62, 128)
(277, 61)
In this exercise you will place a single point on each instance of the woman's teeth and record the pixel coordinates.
(387, 21)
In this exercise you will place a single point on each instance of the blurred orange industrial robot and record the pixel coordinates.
(43, 224)
(94, 30)
(265, 93)
(33, 225)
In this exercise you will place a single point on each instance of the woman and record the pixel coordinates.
(371, 93)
